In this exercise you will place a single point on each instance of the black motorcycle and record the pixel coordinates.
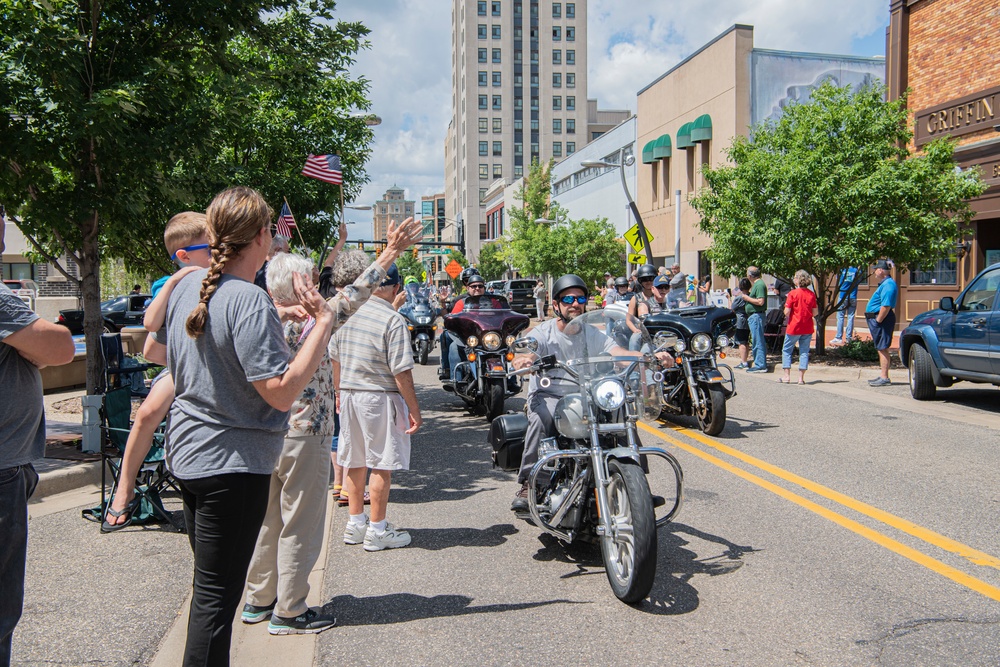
(485, 330)
(420, 317)
(697, 385)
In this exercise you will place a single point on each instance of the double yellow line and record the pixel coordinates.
(930, 537)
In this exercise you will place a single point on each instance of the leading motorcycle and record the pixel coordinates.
(420, 316)
(590, 480)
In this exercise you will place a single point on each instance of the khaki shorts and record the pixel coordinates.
(372, 431)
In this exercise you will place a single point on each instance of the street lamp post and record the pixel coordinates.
(626, 161)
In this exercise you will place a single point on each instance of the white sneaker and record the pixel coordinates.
(836, 341)
(392, 538)
(355, 534)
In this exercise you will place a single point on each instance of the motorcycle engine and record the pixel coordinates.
(556, 498)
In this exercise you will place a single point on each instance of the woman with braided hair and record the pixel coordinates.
(235, 384)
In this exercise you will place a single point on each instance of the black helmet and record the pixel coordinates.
(621, 281)
(466, 272)
(566, 282)
(646, 271)
(474, 277)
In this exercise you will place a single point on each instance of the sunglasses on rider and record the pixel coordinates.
(477, 286)
(571, 299)
(645, 280)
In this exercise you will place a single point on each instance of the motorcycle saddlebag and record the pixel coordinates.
(507, 438)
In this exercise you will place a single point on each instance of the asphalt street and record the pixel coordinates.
(829, 524)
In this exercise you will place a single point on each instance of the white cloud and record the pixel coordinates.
(630, 44)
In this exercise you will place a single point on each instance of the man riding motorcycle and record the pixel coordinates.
(476, 289)
(569, 300)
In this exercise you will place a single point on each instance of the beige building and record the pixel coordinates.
(393, 206)
(688, 116)
(519, 93)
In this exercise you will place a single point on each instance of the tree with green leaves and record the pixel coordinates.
(410, 267)
(492, 263)
(114, 116)
(528, 238)
(832, 184)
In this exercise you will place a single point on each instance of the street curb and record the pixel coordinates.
(67, 479)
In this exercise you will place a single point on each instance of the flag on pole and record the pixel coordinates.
(325, 168)
(285, 221)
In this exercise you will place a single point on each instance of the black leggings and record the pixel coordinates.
(223, 516)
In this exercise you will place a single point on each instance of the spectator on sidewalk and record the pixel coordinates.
(800, 313)
(678, 286)
(539, 294)
(756, 307)
(881, 318)
(27, 343)
(378, 407)
(847, 296)
(742, 324)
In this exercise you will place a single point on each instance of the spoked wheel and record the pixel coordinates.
(495, 391)
(630, 550)
(423, 350)
(712, 413)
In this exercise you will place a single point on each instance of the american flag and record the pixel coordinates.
(325, 168)
(285, 221)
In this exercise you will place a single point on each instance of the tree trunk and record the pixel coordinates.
(93, 322)
(821, 333)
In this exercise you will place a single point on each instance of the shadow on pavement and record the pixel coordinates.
(981, 398)
(405, 607)
(436, 539)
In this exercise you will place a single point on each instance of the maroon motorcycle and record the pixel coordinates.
(485, 330)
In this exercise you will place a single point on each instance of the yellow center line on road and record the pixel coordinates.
(912, 554)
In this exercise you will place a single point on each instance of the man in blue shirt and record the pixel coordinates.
(848, 298)
(882, 319)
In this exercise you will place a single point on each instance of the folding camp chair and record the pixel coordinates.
(120, 370)
(153, 477)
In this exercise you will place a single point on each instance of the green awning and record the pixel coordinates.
(647, 152)
(662, 147)
(701, 129)
(684, 136)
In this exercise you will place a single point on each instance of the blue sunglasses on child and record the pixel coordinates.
(570, 299)
(188, 248)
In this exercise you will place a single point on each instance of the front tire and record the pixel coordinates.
(423, 350)
(495, 392)
(921, 378)
(630, 551)
(712, 414)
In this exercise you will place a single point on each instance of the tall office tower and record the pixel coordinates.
(393, 206)
(519, 93)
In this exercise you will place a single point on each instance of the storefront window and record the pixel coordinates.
(943, 272)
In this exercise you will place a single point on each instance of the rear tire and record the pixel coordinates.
(630, 552)
(712, 416)
(921, 378)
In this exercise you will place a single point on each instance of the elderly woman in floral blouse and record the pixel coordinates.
(292, 533)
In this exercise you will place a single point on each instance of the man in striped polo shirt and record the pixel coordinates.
(378, 407)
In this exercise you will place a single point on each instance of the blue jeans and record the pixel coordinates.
(14, 491)
(847, 309)
(756, 322)
(804, 341)
(447, 344)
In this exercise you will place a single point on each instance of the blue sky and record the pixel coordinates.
(630, 43)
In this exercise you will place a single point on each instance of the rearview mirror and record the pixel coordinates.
(947, 303)
(525, 345)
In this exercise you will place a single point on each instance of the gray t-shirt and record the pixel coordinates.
(590, 342)
(218, 422)
(22, 419)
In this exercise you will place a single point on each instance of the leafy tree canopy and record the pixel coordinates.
(492, 263)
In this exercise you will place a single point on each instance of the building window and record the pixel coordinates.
(518, 103)
(481, 31)
(517, 9)
(482, 55)
(556, 149)
(484, 171)
(534, 125)
(482, 102)
(570, 147)
(570, 126)
(517, 58)
(943, 272)
(534, 150)
(557, 10)
(518, 149)
(483, 125)
(556, 33)
(557, 102)
(497, 171)
(570, 80)
(496, 79)
(557, 80)
(497, 126)
(534, 103)
(571, 10)
(706, 159)
(534, 56)
(518, 125)
(518, 33)
(570, 103)
(497, 105)
(556, 126)
(496, 32)
(534, 10)
(481, 8)
(484, 147)
(570, 33)
(533, 34)
(570, 57)
(664, 176)
(518, 171)
(495, 5)
(496, 56)
(482, 78)
(482, 196)
(497, 148)
(556, 56)
(534, 81)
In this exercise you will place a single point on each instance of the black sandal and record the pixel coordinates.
(129, 509)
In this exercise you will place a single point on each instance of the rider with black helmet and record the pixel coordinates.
(476, 289)
(620, 292)
(644, 275)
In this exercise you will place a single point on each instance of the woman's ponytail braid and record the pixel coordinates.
(199, 316)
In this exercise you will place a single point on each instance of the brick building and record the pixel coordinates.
(55, 291)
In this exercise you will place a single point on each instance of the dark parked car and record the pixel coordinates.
(117, 312)
(960, 340)
(520, 294)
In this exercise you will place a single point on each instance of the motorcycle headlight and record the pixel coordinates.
(423, 320)
(701, 343)
(722, 341)
(609, 394)
(680, 346)
(510, 340)
(472, 341)
(492, 341)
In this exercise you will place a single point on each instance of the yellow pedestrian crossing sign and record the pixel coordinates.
(636, 241)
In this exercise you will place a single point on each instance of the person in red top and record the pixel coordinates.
(800, 313)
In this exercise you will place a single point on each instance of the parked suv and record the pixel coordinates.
(960, 340)
(520, 294)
